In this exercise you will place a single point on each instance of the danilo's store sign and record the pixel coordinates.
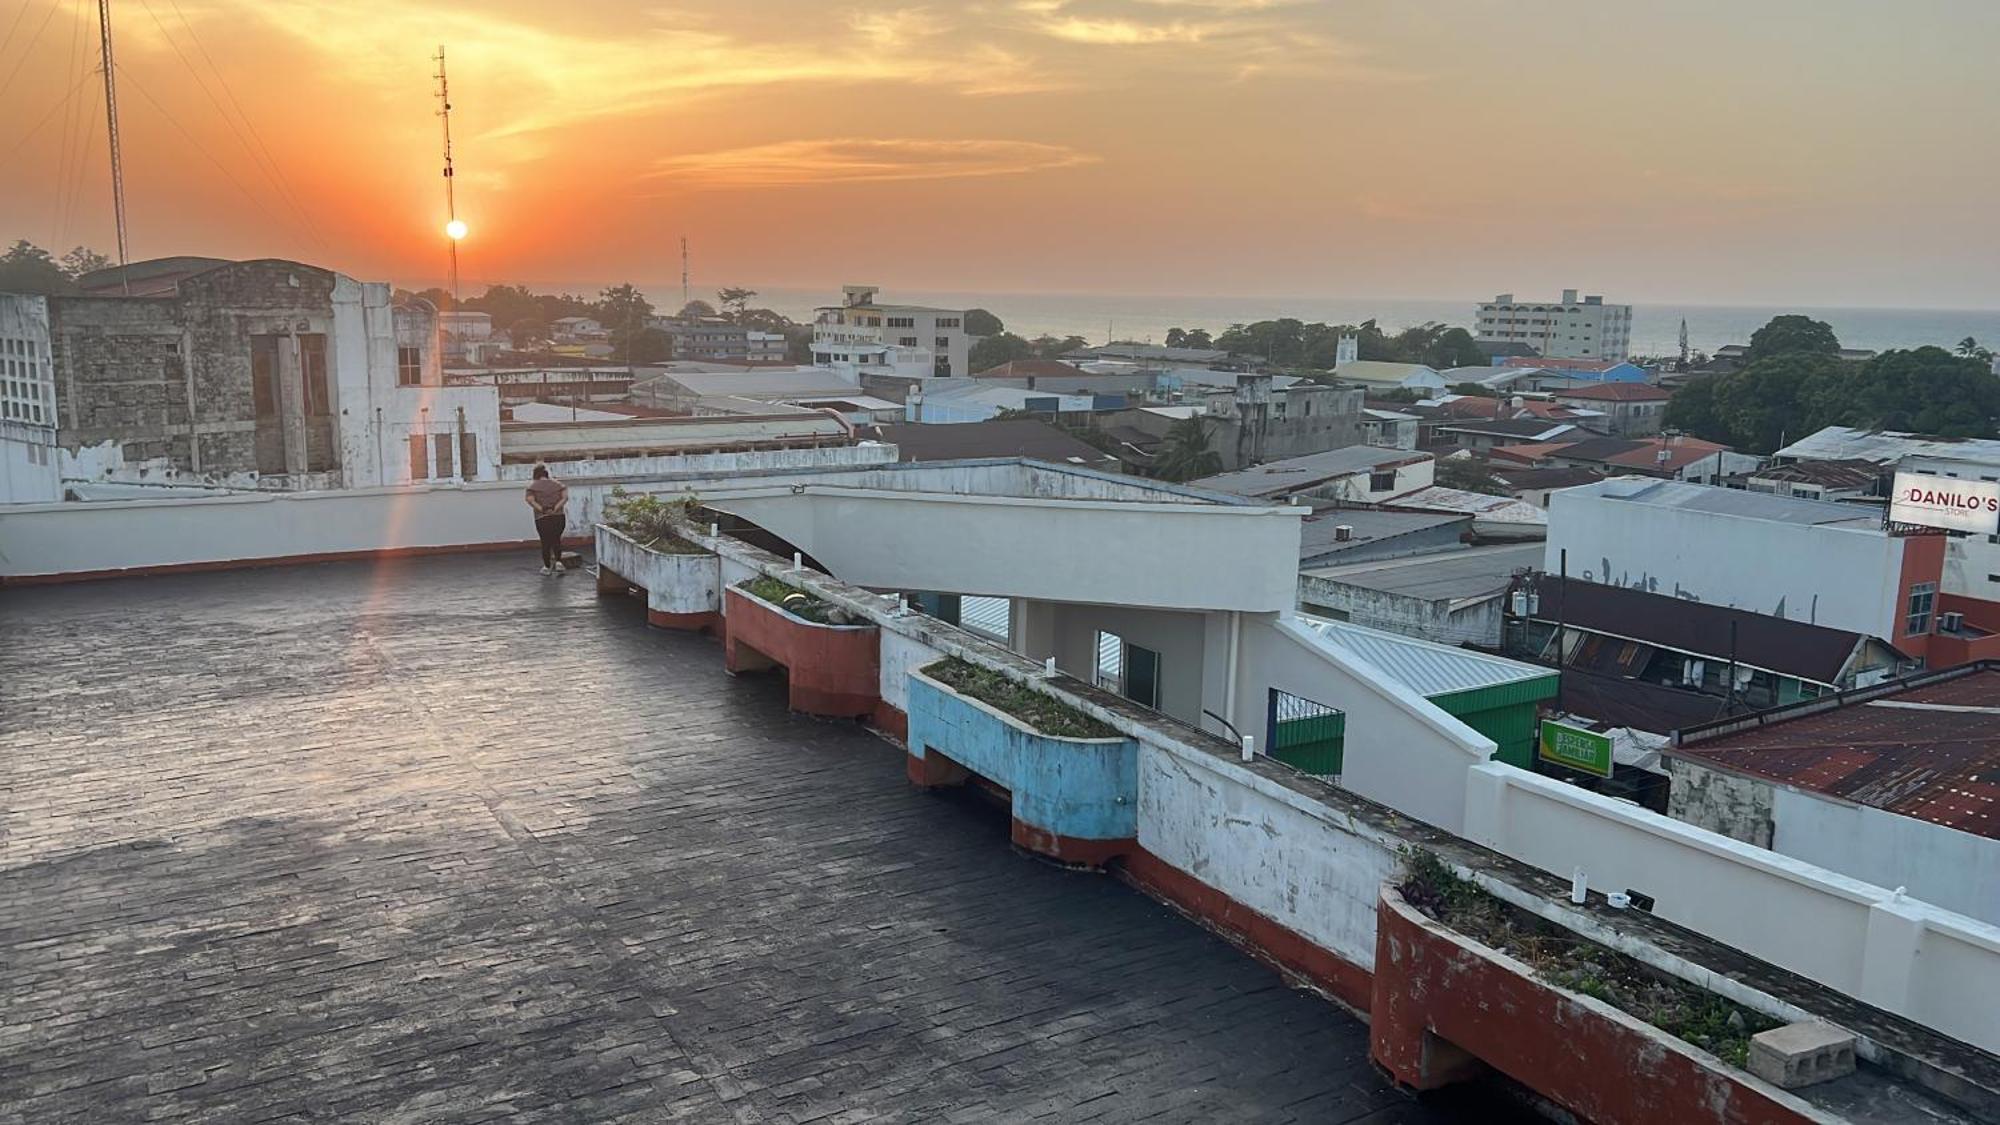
(1958, 505)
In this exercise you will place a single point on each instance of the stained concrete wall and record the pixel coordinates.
(1443, 620)
(1730, 804)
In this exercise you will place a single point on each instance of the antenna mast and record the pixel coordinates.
(111, 127)
(684, 271)
(452, 229)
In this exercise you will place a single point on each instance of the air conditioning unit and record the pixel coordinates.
(1951, 622)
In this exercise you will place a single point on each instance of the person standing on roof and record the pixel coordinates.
(548, 498)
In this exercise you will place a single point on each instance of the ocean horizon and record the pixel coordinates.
(1655, 328)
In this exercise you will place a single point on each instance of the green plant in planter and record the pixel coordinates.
(650, 521)
(1560, 957)
(1044, 713)
(797, 602)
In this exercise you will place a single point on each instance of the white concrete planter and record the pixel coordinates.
(674, 583)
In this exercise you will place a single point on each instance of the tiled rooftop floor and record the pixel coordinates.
(443, 840)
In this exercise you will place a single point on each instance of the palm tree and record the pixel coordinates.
(1969, 348)
(1185, 453)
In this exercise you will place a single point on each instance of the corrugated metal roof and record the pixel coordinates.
(1931, 752)
(1426, 668)
(1749, 505)
(1841, 443)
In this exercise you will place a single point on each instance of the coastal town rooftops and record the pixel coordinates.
(969, 440)
(1029, 369)
(1760, 640)
(1560, 477)
(755, 382)
(1425, 667)
(1451, 576)
(1518, 429)
(1295, 474)
(1884, 447)
(1321, 541)
(1826, 474)
(1616, 392)
(1679, 452)
(1927, 747)
(1153, 353)
(1734, 503)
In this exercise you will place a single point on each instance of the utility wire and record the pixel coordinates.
(37, 126)
(198, 146)
(268, 172)
(284, 185)
(7, 40)
(29, 50)
(70, 142)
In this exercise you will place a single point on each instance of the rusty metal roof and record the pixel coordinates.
(1930, 751)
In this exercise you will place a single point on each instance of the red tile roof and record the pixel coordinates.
(1618, 392)
(1931, 751)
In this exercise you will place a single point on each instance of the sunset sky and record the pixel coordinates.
(1818, 152)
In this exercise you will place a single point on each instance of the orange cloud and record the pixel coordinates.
(862, 160)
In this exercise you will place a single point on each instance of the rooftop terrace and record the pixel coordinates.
(443, 840)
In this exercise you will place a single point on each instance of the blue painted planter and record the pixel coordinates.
(1067, 792)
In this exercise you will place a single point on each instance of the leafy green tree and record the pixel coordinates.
(734, 301)
(1924, 390)
(1474, 390)
(1692, 410)
(82, 260)
(697, 308)
(1468, 475)
(649, 345)
(528, 333)
(27, 268)
(1185, 453)
(1177, 337)
(1771, 401)
(1793, 334)
(622, 308)
(1055, 347)
(1197, 338)
(992, 351)
(979, 322)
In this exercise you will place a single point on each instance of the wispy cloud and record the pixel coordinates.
(862, 160)
(1123, 32)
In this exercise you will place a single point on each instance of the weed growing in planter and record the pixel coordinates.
(650, 521)
(1561, 958)
(1047, 715)
(797, 602)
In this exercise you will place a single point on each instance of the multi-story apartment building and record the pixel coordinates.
(1565, 329)
(860, 336)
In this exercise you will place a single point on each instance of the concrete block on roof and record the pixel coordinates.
(1802, 1054)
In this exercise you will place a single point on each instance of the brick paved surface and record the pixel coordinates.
(443, 840)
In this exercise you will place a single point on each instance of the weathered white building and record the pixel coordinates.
(864, 336)
(28, 464)
(1571, 328)
(256, 375)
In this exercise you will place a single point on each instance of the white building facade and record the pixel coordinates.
(29, 472)
(862, 336)
(1571, 328)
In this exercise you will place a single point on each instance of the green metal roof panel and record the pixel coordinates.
(1426, 668)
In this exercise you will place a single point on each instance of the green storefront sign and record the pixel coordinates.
(1577, 749)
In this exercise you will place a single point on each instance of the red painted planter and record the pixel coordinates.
(1444, 1003)
(831, 670)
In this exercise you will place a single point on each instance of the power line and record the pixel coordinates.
(28, 50)
(58, 200)
(267, 167)
(198, 146)
(8, 39)
(37, 127)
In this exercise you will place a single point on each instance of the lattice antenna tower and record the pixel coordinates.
(111, 129)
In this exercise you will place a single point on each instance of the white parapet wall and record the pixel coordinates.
(1917, 960)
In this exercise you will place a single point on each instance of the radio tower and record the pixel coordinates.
(684, 271)
(453, 229)
(111, 127)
